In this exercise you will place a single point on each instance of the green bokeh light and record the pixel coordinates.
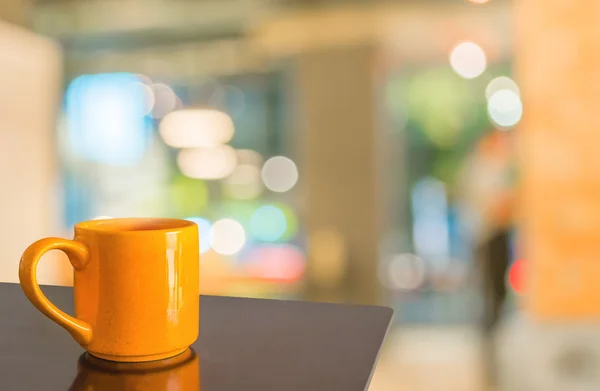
(189, 196)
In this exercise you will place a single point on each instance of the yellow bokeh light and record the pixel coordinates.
(207, 163)
(227, 236)
(196, 128)
(244, 182)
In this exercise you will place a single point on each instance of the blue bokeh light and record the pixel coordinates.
(106, 118)
(268, 223)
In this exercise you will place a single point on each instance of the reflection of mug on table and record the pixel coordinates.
(179, 373)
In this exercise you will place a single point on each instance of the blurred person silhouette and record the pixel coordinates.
(489, 193)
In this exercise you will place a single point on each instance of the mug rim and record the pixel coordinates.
(134, 225)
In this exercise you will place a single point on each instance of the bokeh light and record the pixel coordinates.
(405, 272)
(204, 227)
(516, 276)
(148, 96)
(268, 223)
(281, 263)
(431, 232)
(501, 83)
(165, 100)
(279, 174)
(208, 92)
(291, 218)
(438, 90)
(189, 196)
(145, 79)
(505, 108)
(241, 210)
(468, 60)
(249, 156)
(478, 1)
(208, 162)
(196, 128)
(227, 236)
(244, 182)
(105, 117)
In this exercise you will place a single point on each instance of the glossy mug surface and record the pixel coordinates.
(135, 284)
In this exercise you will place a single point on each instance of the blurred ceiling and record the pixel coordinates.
(198, 36)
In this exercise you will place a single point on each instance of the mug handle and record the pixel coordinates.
(78, 254)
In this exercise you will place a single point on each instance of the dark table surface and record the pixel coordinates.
(244, 344)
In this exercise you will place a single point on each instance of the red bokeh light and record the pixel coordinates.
(516, 276)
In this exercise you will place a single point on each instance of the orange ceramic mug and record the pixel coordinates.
(135, 283)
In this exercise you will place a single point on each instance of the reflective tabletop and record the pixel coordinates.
(244, 344)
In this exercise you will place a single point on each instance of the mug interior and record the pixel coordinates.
(134, 224)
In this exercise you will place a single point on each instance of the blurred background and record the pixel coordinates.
(438, 157)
